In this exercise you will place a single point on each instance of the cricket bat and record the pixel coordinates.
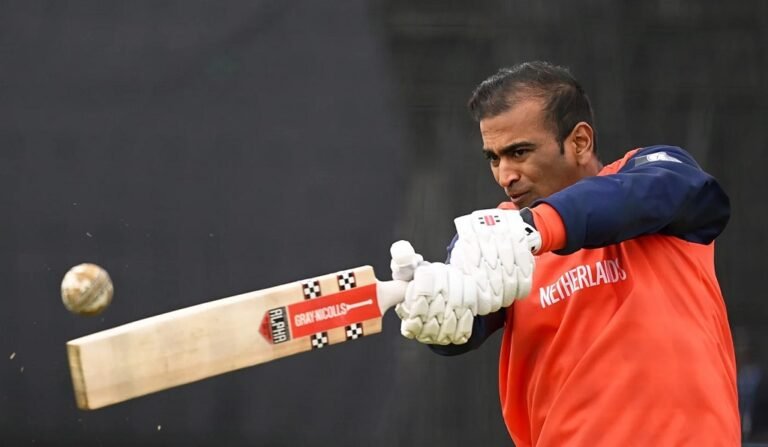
(197, 342)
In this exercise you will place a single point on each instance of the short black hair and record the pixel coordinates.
(565, 102)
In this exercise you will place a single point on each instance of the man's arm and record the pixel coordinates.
(482, 326)
(660, 190)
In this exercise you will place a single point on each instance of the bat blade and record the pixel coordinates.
(220, 336)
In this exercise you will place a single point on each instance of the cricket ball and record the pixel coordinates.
(86, 289)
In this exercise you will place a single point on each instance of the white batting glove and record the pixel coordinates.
(495, 248)
(439, 306)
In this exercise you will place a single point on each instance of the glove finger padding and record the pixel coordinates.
(447, 333)
(470, 295)
(464, 327)
(435, 307)
(411, 327)
(430, 283)
(429, 332)
(524, 263)
(414, 305)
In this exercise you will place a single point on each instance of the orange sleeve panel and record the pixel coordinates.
(550, 226)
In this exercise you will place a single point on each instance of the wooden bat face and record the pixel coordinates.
(213, 338)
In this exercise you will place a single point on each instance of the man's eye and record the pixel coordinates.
(493, 159)
(518, 153)
(490, 156)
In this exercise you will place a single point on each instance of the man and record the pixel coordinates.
(623, 338)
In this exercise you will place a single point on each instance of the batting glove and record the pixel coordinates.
(495, 247)
(439, 306)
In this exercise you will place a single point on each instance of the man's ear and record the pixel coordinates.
(581, 142)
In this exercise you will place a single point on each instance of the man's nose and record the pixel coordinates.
(508, 173)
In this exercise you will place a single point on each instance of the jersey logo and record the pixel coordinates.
(656, 156)
(607, 271)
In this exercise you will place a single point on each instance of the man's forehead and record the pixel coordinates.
(522, 121)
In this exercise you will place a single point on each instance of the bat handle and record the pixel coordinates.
(390, 293)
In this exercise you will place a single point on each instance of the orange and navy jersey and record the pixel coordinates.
(624, 339)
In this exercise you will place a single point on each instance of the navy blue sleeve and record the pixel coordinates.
(660, 190)
(482, 326)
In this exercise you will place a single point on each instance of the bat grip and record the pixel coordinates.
(390, 293)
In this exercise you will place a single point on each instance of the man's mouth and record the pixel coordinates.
(517, 198)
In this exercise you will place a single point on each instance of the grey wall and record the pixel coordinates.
(199, 150)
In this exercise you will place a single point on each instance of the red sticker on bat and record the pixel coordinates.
(334, 310)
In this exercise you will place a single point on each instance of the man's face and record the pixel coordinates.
(525, 158)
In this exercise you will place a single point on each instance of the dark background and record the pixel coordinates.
(201, 149)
